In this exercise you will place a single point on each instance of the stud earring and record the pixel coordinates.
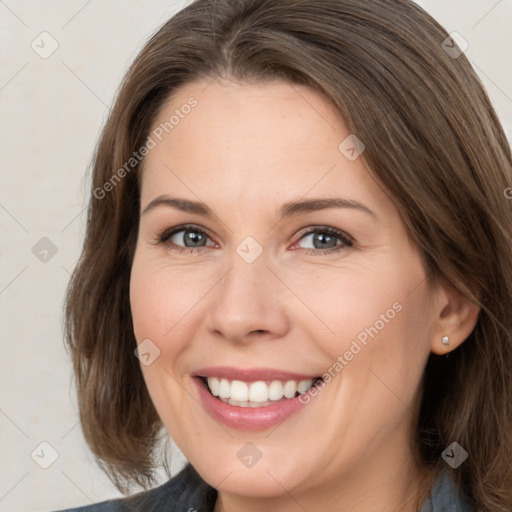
(445, 341)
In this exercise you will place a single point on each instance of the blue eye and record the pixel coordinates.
(324, 239)
(187, 235)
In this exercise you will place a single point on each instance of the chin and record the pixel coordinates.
(264, 480)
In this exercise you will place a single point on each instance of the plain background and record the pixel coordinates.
(51, 112)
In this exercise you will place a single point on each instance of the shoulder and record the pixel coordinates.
(185, 491)
(445, 496)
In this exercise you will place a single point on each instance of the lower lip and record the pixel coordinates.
(247, 418)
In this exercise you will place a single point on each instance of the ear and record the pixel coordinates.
(455, 317)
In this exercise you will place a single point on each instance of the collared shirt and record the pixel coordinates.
(444, 497)
(188, 492)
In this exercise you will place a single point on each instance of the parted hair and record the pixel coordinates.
(432, 141)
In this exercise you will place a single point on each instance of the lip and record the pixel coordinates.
(250, 374)
(246, 418)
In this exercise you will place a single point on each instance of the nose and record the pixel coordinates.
(248, 303)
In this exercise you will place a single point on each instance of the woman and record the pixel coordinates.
(298, 265)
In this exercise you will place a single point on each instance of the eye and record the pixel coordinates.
(325, 240)
(190, 236)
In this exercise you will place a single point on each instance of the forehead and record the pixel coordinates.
(263, 140)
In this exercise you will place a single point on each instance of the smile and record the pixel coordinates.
(256, 394)
(251, 399)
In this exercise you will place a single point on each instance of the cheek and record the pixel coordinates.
(349, 306)
(156, 302)
(375, 324)
(160, 298)
(166, 309)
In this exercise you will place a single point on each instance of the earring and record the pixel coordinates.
(445, 341)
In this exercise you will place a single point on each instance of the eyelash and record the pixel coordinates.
(164, 236)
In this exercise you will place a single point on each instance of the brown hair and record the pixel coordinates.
(433, 141)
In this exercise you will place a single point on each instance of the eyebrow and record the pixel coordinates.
(290, 209)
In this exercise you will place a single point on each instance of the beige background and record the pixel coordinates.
(51, 111)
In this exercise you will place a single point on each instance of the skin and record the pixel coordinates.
(245, 150)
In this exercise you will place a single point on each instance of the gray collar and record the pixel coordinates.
(445, 497)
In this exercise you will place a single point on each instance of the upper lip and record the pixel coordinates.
(250, 374)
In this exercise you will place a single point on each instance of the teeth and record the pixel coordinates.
(245, 404)
(256, 392)
(275, 390)
(239, 391)
(290, 388)
(304, 385)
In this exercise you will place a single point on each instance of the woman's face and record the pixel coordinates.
(259, 284)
